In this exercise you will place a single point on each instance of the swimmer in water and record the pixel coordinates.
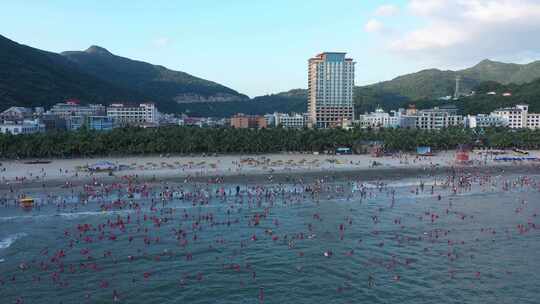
(261, 295)
(371, 281)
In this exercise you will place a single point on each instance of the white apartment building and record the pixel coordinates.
(438, 118)
(381, 119)
(24, 127)
(16, 114)
(330, 90)
(133, 114)
(533, 121)
(406, 121)
(65, 110)
(518, 117)
(444, 117)
(270, 119)
(378, 119)
(485, 121)
(292, 121)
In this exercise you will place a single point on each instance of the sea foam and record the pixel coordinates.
(8, 241)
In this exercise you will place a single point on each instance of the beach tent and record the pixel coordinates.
(377, 151)
(424, 151)
(368, 147)
(102, 166)
(463, 154)
(343, 151)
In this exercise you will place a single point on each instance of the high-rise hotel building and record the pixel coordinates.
(331, 85)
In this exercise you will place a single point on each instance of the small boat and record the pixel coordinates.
(26, 202)
(521, 152)
(38, 162)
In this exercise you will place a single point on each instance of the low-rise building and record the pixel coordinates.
(22, 127)
(53, 122)
(97, 123)
(16, 114)
(241, 121)
(73, 108)
(381, 119)
(124, 114)
(533, 120)
(377, 119)
(167, 119)
(485, 121)
(217, 122)
(438, 118)
(192, 122)
(74, 123)
(202, 122)
(518, 117)
(429, 119)
(39, 111)
(270, 120)
(291, 121)
(407, 121)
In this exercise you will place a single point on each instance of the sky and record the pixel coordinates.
(260, 47)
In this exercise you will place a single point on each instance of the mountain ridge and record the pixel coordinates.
(162, 84)
(436, 83)
(33, 77)
(96, 49)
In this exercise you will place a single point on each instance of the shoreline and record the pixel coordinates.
(258, 176)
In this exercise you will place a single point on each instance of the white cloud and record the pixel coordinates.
(428, 7)
(436, 36)
(374, 26)
(387, 10)
(161, 42)
(468, 30)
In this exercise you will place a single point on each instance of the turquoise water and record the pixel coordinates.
(478, 245)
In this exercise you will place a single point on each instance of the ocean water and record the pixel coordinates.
(478, 244)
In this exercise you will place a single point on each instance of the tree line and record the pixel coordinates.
(188, 140)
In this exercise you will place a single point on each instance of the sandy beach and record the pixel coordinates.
(59, 171)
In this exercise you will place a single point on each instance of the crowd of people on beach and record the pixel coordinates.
(142, 214)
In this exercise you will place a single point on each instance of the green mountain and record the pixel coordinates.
(166, 87)
(32, 77)
(434, 83)
(504, 73)
(491, 95)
